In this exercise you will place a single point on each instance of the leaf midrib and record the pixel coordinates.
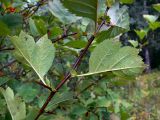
(101, 61)
(112, 66)
(122, 12)
(111, 70)
(30, 63)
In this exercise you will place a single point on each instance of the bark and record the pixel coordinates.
(147, 60)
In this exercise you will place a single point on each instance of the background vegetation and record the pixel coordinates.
(42, 44)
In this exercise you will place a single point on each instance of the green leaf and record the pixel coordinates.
(119, 19)
(33, 28)
(58, 116)
(110, 33)
(41, 26)
(4, 29)
(108, 56)
(78, 44)
(37, 55)
(119, 16)
(28, 92)
(154, 25)
(32, 113)
(59, 11)
(133, 43)
(141, 33)
(103, 102)
(127, 1)
(79, 110)
(12, 20)
(104, 113)
(55, 32)
(4, 80)
(66, 96)
(90, 28)
(84, 8)
(150, 18)
(3, 108)
(157, 7)
(16, 107)
(101, 8)
(124, 115)
(117, 107)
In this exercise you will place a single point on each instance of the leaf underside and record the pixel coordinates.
(15, 106)
(38, 56)
(58, 10)
(109, 56)
(119, 19)
(84, 8)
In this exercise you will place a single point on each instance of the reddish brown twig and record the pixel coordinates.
(62, 37)
(68, 75)
(40, 83)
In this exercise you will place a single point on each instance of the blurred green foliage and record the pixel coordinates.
(111, 95)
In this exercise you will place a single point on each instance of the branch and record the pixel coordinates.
(89, 86)
(68, 75)
(40, 83)
(6, 49)
(62, 37)
(50, 112)
(8, 64)
(54, 41)
(32, 9)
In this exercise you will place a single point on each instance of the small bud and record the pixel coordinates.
(11, 9)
